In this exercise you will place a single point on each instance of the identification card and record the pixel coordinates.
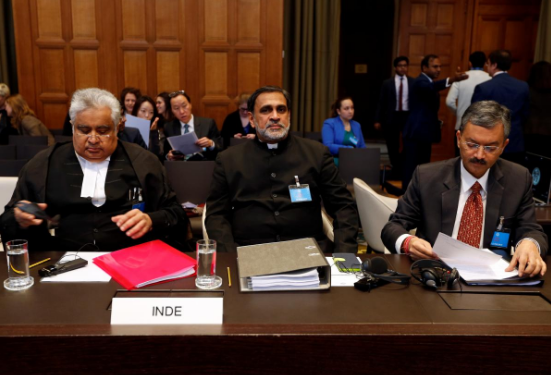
(354, 140)
(300, 193)
(501, 239)
(140, 206)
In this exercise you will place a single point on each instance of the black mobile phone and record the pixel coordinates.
(177, 153)
(33, 209)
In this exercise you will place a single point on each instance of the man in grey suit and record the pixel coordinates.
(478, 187)
(184, 122)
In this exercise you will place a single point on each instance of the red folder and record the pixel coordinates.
(145, 264)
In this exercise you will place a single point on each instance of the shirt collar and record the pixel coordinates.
(477, 68)
(498, 73)
(191, 123)
(468, 180)
(430, 79)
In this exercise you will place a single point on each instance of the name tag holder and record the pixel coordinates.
(161, 307)
(299, 192)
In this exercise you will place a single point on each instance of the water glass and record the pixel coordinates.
(206, 265)
(19, 277)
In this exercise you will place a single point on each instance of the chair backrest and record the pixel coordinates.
(362, 163)
(21, 140)
(11, 167)
(190, 180)
(316, 136)
(62, 138)
(7, 187)
(7, 152)
(238, 141)
(27, 152)
(374, 210)
(56, 132)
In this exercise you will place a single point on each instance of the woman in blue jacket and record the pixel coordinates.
(341, 131)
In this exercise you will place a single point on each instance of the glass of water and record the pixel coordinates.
(206, 265)
(17, 253)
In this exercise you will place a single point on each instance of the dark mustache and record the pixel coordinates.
(477, 161)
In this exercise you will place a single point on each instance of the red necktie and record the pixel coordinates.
(400, 94)
(470, 228)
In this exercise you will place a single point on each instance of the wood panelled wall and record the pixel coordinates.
(453, 29)
(213, 49)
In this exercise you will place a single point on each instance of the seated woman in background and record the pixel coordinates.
(236, 124)
(165, 116)
(341, 131)
(24, 120)
(5, 122)
(128, 98)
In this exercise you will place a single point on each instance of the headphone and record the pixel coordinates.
(378, 268)
(434, 274)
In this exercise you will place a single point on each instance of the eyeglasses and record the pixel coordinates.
(176, 93)
(101, 137)
(475, 146)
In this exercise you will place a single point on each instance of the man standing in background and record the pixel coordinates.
(393, 110)
(461, 93)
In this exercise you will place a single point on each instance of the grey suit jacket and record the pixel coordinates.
(203, 127)
(430, 204)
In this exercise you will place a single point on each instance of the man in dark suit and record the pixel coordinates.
(423, 127)
(510, 92)
(184, 122)
(393, 109)
(468, 197)
(271, 188)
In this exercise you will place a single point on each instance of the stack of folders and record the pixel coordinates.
(300, 279)
(286, 265)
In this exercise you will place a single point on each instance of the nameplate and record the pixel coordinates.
(153, 311)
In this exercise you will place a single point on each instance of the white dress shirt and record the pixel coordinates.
(93, 182)
(405, 91)
(462, 92)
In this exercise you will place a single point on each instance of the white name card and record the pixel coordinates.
(167, 310)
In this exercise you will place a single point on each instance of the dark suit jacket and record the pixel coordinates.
(232, 125)
(132, 135)
(203, 127)
(513, 94)
(430, 204)
(424, 103)
(387, 101)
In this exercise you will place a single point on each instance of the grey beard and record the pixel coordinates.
(268, 135)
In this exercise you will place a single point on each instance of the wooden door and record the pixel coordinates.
(437, 27)
(213, 49)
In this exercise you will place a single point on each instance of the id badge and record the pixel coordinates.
(300, 193)
(140, 206)
(354, 140)
(500, 239)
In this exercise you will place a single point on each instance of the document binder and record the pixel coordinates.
(280, 257)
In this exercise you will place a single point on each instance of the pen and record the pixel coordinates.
(37, 263)
(229, 277)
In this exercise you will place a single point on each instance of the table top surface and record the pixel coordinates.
(83, 308)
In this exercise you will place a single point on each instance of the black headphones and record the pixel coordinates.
(434, 274)
(378, 268)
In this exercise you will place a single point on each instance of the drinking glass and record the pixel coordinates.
(206, 265)
(17, 254)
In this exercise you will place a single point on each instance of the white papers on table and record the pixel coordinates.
(88, 273)
(141, 124)
(472, 263)
(185, 143)
(300, 279)
(339, 278)
(188, 204)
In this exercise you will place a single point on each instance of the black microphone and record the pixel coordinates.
(377, 273)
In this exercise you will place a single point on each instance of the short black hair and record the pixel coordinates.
(477, 59)
(252, 100)
(426, 60)
(174, 94)
(502, 58)
(400, 59)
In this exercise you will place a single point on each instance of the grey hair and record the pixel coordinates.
(487, 114)
(95, 98)
(4, 90)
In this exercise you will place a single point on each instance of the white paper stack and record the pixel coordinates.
(300, 279)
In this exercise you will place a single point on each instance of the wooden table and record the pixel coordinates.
(64, 329)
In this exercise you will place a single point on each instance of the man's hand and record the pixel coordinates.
(238, 135)
(135, 223)
(528, 259)
(459, 76)
(420, 249)
(377, 126)
(204, 142)
(172, 157)
(26, 220)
